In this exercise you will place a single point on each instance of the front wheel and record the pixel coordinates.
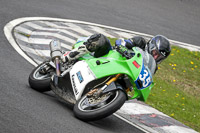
(90, 109)
(40, 82)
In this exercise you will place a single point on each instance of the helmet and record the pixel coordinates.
(159, 48)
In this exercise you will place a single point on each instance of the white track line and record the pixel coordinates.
(35, 26)
(123, 34)
(64, 30)
(23, 30)
(58, 28)
(53, 25)
(45, 41)
(40, 52)
(55, 35)
(40, 41)
(78, 29)
(100, 30)
(43, 53)
(8, 33)
(27, 49)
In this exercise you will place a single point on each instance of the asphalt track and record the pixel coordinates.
(24, 110)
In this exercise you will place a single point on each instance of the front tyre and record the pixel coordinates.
(40, 82)
(90, 109)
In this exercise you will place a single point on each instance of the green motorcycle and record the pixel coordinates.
(97, 87)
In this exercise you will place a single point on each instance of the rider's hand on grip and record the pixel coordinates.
(124, 51)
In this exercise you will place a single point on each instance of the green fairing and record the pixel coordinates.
(113, 63)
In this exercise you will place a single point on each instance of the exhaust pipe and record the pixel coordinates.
(55, 47)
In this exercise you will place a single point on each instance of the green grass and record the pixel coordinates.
(177, 87)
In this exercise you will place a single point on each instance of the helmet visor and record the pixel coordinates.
(157, 55)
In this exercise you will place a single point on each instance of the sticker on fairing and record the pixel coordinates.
(145, 79)
(80, 77)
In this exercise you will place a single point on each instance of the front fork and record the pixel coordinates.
(98, 92)
(110, 81)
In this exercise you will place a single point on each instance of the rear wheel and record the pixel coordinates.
(40, 81)
(90, 109)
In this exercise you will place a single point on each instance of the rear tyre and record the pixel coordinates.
(87, 110)
(39, 82)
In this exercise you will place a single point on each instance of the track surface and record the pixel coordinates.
(24, 110)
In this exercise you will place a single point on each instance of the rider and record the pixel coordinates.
(154, 51)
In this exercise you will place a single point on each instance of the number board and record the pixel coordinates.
(144, 80)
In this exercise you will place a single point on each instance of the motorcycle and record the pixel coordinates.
(97, 87)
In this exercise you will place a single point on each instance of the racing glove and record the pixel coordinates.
(127, 43)
(124, 51)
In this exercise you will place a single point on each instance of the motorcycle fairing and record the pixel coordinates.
(113, 63)
(80, 76)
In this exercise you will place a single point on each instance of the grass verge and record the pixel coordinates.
(177, 87)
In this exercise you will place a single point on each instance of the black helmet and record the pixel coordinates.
(159, 48)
